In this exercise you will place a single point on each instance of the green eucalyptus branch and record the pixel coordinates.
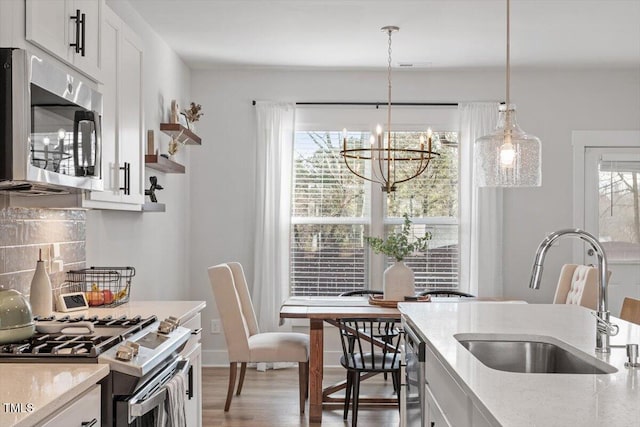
(397, 245)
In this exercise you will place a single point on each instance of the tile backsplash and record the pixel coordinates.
(24, 231)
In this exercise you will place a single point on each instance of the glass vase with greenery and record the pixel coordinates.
(399, 245)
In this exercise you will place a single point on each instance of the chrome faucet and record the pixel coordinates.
(604, 328)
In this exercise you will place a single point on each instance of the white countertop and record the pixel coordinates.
(516, 399)
(183, 310)
(47, 387)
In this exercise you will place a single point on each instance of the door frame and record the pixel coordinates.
(581, 141)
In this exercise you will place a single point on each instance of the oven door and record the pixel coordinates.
(147, 405)
(414, 409)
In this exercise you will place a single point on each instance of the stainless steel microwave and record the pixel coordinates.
(50, 128)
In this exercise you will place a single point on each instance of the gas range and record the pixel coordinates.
(142, 354)
(75, 341)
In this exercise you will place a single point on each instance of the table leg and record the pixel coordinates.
(316, 370)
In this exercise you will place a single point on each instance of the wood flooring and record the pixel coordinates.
(270, 399)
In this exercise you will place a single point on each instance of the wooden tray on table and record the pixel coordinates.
(379, 301)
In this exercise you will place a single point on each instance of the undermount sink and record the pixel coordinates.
(532, 355)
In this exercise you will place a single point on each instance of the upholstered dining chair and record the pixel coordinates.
(630, 310)
(245, 342)
(578, 284)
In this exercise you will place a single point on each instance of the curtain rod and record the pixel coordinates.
(378, 104)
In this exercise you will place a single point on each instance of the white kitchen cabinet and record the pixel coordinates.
(193, 352)
(446, 402)
(122, 119)
(68, 29)
(82, 411)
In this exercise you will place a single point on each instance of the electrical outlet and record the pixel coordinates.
(215, 326)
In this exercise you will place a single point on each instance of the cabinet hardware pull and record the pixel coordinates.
(196, 331)
(91, 423)
(127, 178)
(190, 391)
(83, 21)
(78, 18)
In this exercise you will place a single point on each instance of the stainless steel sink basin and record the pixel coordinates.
(533, 355)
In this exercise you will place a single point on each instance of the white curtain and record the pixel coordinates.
(481, 208)
(275, 124)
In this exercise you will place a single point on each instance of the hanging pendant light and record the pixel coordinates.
(508, 157)
(390, 164)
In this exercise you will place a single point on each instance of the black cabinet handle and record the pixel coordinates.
(79, 19)
(127, 178)
(190, 391)
(83, 21)
(91, 423)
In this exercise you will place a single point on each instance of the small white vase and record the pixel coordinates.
(398, 282)
(40, 293)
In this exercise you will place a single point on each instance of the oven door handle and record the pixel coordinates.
(138, 408)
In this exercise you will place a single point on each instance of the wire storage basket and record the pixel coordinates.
(103, 286)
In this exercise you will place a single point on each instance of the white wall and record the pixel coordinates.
(551, 104)
(155, 243)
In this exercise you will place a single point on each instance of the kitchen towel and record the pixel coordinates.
(174, 403)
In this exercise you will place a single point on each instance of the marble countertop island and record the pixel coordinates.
(525, 399)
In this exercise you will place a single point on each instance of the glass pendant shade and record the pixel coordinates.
(508, 157)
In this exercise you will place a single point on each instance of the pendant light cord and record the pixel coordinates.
(508, 100)
(389, 111)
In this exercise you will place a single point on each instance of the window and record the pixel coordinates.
(333, 210)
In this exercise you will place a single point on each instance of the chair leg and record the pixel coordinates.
(306, 380)
(303, 375)
(356, 398)
(233, 368)
(243, 369)
(394, 378)
(347, 394)
(396, 375)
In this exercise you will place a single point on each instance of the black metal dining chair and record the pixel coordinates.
(386, 330)
(445, 293)
(362, 354)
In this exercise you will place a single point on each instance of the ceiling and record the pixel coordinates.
(433, 33)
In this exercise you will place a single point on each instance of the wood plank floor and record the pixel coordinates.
(270, 399)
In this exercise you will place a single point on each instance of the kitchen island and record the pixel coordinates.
(462, 391)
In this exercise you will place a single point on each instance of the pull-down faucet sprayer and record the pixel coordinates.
(604, 328)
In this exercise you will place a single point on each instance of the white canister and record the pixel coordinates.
(40, 294)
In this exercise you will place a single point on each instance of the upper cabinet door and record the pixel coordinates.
(122, 123)
(47, 25)
(68, 29)
(89, 60)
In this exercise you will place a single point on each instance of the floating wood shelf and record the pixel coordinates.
(157, 162)
(153, 207)
(180, 133)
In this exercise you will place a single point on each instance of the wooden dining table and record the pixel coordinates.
(327, 309)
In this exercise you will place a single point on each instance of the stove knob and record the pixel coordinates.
(134, 346)
(165, 327)
(124, 353)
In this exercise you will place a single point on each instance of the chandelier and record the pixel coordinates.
(390, 163)
(508, 157)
